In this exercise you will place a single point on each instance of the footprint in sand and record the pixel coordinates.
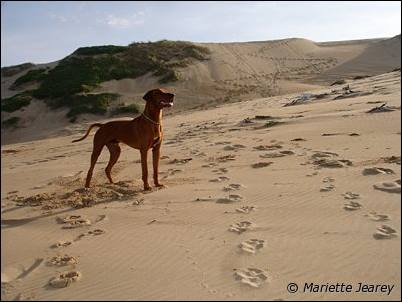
(392, 159)
(73, 221)
(60, 244)
(221, 170)
(267, 147)
(251, 276)
(62, 260)
(385, 232)
(233, 187)
(327, 159)
(180, 161)
(328, 179)
(222, 143)
(219, 179)
(390, 187)
(234, 147)
(65, 279)
(210, 165)
(277, 154)
(351, 195)
(323, 154)
(232, 198)
(246, 209)
(298, 139)
(223, 159)
(100, 218)
(261, 164)
(377, 217)
(327, 188)
(241, 227)
(352, 206)
(377, 170)
(170, 172)
(95, 232)
(252, 245)
(332, 163)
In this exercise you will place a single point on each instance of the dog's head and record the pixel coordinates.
(159, 98)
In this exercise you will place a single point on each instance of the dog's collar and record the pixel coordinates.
(149, 119)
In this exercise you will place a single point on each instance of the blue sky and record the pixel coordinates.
(46, 31)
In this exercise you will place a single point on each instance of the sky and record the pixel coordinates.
(46, 31)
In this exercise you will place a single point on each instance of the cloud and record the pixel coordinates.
(125, 22)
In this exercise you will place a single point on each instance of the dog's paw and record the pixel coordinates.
(160, 186)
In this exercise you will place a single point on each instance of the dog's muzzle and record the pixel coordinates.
(167, 104)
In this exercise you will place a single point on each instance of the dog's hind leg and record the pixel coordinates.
(114, 150)
(94, 157)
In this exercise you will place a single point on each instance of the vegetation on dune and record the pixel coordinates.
(98, 50)
(83, 69)
(69, 83)
(11, 122)
(13, 70)
(30, 76)
(16, 102)
(85, 103)
(129, 109)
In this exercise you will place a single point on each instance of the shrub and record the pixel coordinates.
(133, 108)
(11, 122)
(97, 50)
(30, 76)
(88, 103)
(16, 102)
(169, 76)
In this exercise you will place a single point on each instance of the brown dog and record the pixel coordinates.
(143, 133)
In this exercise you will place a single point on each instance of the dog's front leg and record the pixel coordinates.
(144, 165)
(155, 157)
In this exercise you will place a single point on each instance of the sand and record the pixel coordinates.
(303, 193)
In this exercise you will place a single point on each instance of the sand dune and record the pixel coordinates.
(228, 226)
(237, 72)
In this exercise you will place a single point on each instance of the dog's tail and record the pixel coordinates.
(86, 134)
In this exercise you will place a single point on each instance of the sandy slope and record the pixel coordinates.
(175, 243)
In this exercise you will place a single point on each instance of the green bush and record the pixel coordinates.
(69, 76)
(11, 122)
(131, 109)
(74, 73)
(97, 50)
(169, 76)
(16, 102)
(30, 76)
(88, 103)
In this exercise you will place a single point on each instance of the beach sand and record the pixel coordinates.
(258, 195)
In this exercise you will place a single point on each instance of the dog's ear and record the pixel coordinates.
(148, 96)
